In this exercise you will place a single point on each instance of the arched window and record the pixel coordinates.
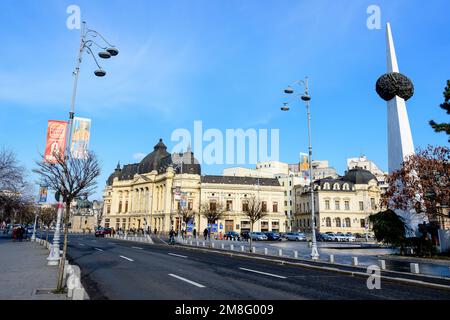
(328, 222)
(326, 186)
(347, 223)
(336, 186)
(345, 187)
(338, 222)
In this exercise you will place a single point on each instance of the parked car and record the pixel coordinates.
(350, 237)
(295, 236)
(231, 235)
(329, 236)
(259, 236)
(272, 236)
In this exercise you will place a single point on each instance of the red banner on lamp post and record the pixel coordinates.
(56, 140)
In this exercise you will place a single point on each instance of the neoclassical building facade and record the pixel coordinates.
(342, 204)
(149, 194)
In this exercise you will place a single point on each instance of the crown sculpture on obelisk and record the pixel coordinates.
(395, 88)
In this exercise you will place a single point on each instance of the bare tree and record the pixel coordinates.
(212, 211)
(14, 191)
(186, 214)
(254, 213)
(71, 177)
(423, 183)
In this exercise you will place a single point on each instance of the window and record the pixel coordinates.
(345, 187)
(327, 204)
(338, 222)
(290, 183)
(264, 206)
(285, 193)
(275, 207)
(347, 205)
(336, 186)
(179, 205)
(244, 206)
(212, 206)
(264, 226)
(307, 206)
(108, 209)
(336, 205)
(126, 206)
(372, 204)
(326, 186)
(328, 222)
(229, 205)
(120, 206)
(285, 203)
(190, 205)
(361, 206)
(347, 223)
(363, 223)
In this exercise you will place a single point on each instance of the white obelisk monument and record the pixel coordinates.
(395, 88)
(400, 142)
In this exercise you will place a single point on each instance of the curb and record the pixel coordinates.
(329, 269)
(72, 276)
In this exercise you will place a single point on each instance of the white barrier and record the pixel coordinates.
(331, 258)
(242, 248)
(354, 261)
(280, 252)
(415, 268)
(231, 247)
(382, 264)
(265, 251)
(296, 254)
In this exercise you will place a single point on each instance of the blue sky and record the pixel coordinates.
(225, 63)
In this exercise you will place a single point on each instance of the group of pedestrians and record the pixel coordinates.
(19, 233)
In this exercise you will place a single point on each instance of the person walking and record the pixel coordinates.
(172, 236)
(205, 233)
(195, 233)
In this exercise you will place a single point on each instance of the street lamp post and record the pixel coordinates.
(306, 98)
(85, 44)
(33, 237)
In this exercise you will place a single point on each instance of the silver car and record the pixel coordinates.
(258, 236)
(295, 236)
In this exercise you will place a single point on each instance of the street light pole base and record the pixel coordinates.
(314, 254)
(54, 256)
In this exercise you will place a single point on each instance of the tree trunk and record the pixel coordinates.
(60, 285)
(209, 235)
(251, 240)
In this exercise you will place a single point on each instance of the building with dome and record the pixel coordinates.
(342, 204)
(150, 194)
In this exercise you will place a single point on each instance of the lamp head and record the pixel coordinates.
(100, 73)
(289, 90)
(113, 51)
(285, 107)
(306, 97)
(104, 55)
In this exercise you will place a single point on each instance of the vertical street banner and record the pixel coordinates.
(304, 166)
(43, 191)
(81, 132)
(56, 140)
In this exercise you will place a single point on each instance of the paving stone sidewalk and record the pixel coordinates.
(23, 270)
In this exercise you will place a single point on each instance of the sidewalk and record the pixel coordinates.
(24, 270)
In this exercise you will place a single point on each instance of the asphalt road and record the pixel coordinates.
(115, 269)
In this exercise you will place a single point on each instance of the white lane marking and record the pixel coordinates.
(177, 255)
(98, 249)
(267, 274)
(81, 244)
(137, 248)
(186, 280)
(126, 258)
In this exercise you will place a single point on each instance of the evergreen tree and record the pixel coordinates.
(440, 127)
